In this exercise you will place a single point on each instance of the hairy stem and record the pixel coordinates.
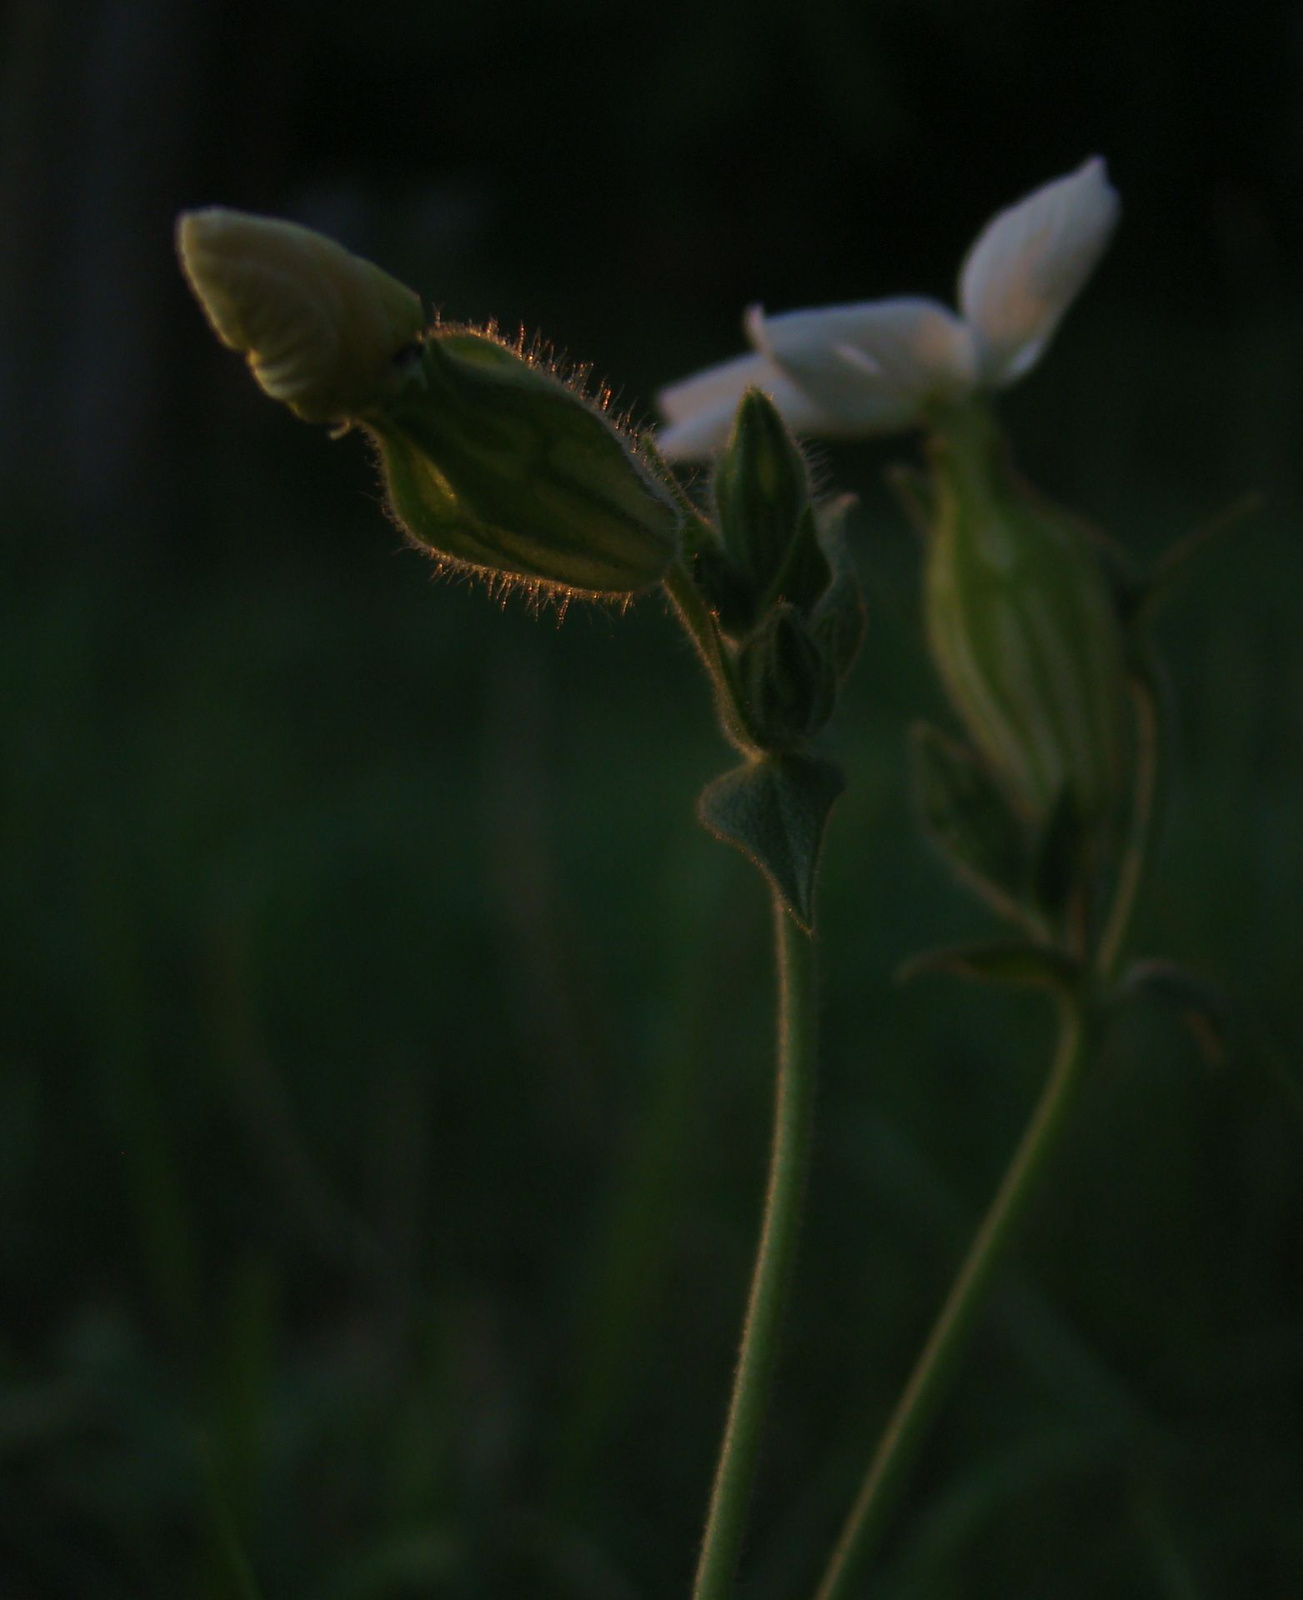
(699, 625)
(774, 1264)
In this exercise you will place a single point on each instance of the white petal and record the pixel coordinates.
(1028, 265)
(317, 324)
(700, 409)
(871, 367)
(702, 390)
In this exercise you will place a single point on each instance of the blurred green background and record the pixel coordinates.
(384, 1056)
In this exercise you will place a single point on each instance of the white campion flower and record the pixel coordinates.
(874, 367)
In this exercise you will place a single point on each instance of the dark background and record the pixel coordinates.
(384, 1053)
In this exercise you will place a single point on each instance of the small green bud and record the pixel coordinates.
(1022, 628)
(494, 463)
(762, 494)
(761, 488)
(788, 682)
(318, 326)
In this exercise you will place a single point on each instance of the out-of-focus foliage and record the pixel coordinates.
(385, 1051)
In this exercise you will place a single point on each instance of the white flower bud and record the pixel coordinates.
(318, 325)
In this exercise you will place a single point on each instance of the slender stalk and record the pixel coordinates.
(1141, 831)
(693, 614)
(775, 1259)
(936, 1365)
(699, 625)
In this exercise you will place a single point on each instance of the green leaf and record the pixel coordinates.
(968, 819)
(774, 809)
(1200, 1004)
(1015, 963)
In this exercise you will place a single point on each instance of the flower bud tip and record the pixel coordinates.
(317, 325)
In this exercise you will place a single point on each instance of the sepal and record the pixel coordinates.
(1022, 628)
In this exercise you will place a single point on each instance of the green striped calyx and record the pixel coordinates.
(1022, 628)
(494, 464)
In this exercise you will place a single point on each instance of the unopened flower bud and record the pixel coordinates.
(761, 489)
(318, 325)
(762, 494)
(489, 459)
(788, 681)
(494, 463)
(1022, 629)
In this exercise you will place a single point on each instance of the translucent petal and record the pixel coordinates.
(870, 367)
(318, 325)
(700, 409)
(1028, 265)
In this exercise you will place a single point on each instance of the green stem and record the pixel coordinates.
(936, 1365)
(775, 1260)
(699, 625)
(1141, 831)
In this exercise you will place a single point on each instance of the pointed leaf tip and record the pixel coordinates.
(775, 810)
